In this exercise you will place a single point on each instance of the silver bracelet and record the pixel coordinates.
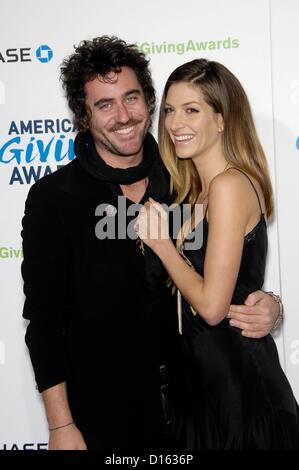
(279, 318)
(63, 426)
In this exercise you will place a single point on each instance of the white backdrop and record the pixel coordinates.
(256, 39)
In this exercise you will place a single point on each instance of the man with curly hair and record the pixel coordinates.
(97, 305)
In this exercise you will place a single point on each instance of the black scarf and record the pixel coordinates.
(158, 188)
(91, 161)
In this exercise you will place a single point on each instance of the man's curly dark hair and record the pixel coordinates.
(100, 56)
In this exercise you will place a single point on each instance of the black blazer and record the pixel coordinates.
(94, 310)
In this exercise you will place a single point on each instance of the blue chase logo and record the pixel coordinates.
(44, 53)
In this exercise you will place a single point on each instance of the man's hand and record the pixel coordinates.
(257, 317)
(67, 438)
(64, 434)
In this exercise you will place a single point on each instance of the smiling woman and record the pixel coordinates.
(191, 123)
(228, 392)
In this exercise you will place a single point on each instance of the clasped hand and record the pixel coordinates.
(152, 224)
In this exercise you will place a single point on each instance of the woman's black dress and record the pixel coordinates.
(230, 391)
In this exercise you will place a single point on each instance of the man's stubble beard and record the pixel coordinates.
(108, 144)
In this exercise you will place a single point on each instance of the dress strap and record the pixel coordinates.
(206, 210)
(254, 188)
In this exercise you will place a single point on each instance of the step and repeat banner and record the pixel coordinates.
(256, 39)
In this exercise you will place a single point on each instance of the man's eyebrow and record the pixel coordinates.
(102, 101)
(133, 91)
